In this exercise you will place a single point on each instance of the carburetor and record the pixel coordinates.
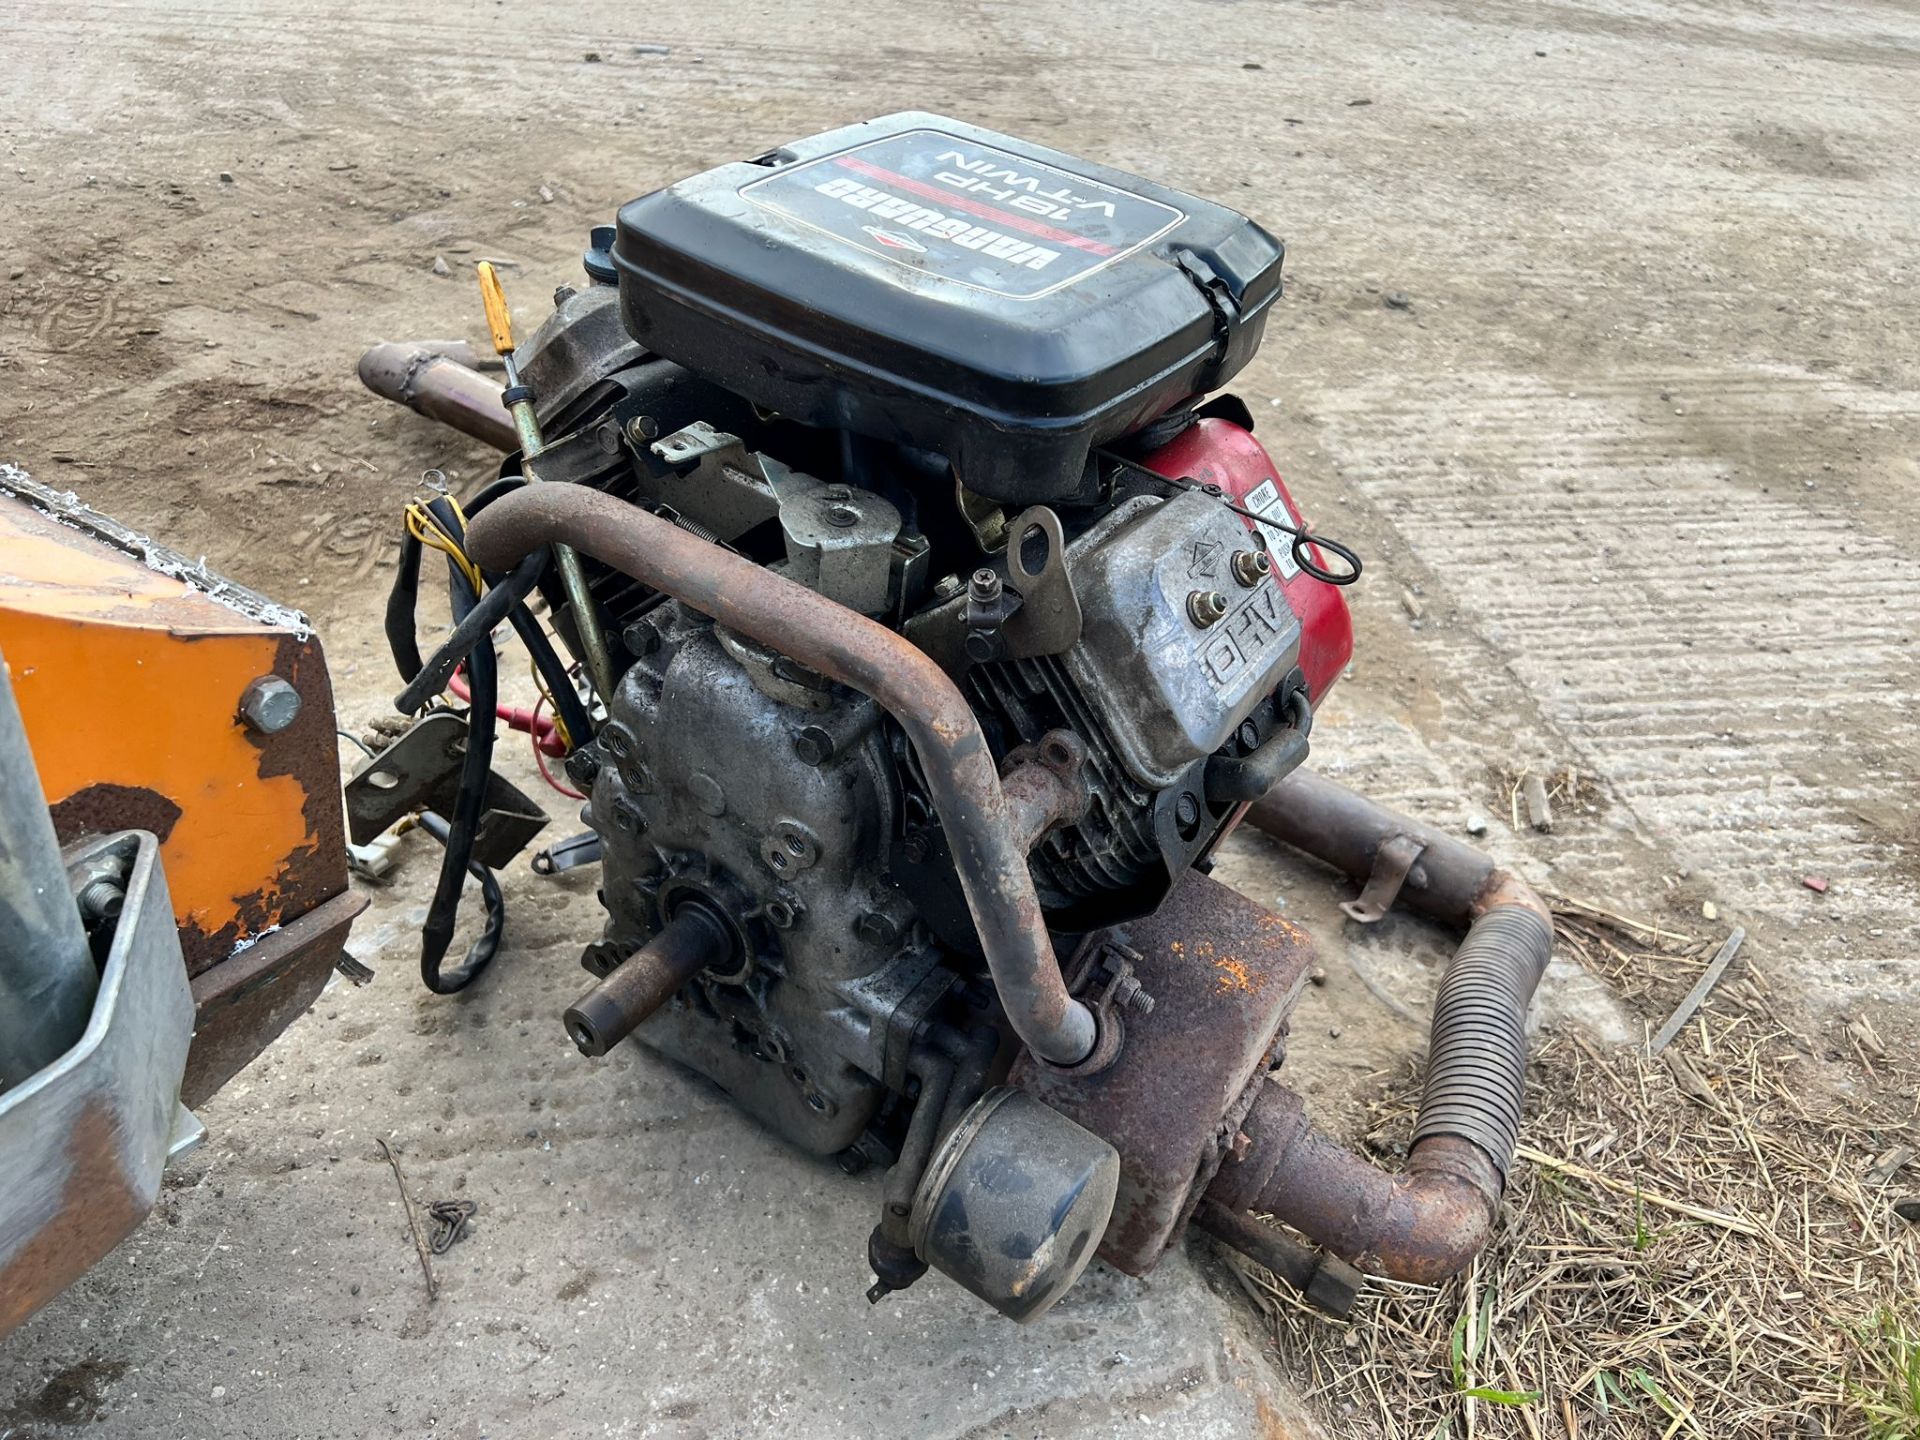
(938, 618)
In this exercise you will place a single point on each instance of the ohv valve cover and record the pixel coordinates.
(931, 283)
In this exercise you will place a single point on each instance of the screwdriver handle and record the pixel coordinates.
(499, 321)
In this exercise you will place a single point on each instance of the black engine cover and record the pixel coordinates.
(929, 283)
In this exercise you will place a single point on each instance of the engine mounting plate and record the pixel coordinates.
(1224, 974)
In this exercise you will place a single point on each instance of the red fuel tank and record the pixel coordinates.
(1213, 451)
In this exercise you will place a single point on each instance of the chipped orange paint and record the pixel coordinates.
(131, 678)
(1230, 973)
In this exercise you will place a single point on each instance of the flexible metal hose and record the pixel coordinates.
(1477, 1042)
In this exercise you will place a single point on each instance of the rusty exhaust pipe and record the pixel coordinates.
(981, 826)
(1427, 1222)
(432, 378)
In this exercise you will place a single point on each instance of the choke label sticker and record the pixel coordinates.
(966, 212)
(1264, 500)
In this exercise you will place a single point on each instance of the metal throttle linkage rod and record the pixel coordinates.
(518, 399)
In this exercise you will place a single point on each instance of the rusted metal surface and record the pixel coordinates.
(1421, 1225)
(1427, 1222)
(1448, 880)
(837, 642)
(1223, 973)
(242, 1004)
(1391, 867)
(1043, 786)
(1326, 1280)
(432, 380)
(693, 940)
(83, 1140)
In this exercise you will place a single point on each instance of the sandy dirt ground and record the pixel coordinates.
(1599, 344)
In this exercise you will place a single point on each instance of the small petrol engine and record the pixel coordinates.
(935, 627)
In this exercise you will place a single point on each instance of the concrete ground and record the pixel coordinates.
(1599, 344)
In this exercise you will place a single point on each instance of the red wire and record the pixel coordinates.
(540, 759)
(546, 734)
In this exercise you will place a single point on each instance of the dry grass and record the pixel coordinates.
(1692, 1245)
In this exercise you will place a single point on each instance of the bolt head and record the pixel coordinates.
(269, 705)
(1250, 567)
(814, 746)
(1205, 607)
(581, 766)
(877, 929)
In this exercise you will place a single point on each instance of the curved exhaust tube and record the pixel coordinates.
(436, 378)
(981, 825)
(1427, 1222)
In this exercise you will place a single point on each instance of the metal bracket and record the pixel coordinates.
(568, 853)
(421, 770)
(1392, 864)
(1048, 621)
(83, 1140)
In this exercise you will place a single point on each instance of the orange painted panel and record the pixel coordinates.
(129, 682)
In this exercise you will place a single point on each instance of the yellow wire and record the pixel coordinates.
(422, 525)
(429, 532)
(559, 725)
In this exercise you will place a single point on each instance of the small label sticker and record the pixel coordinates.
(1264, 500)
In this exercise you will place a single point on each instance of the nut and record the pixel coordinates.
(269, 705)
(1250, 567)
(582, 766)
(1205, 607)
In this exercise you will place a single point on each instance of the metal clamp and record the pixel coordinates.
(1392, 864)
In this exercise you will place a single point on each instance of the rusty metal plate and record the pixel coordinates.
(243, 1004)
(1224, 973)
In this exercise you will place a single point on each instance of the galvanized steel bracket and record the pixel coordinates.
(84, 1139)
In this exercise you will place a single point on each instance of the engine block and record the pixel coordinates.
(774, 813)
(940, 628)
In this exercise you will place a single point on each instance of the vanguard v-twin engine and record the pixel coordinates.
(931, 629)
